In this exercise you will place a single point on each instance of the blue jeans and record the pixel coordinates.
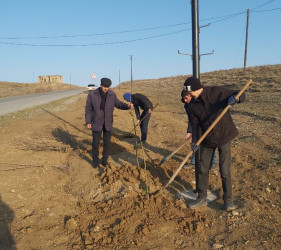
(144, 124)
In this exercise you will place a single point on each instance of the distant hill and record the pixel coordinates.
(8, 89)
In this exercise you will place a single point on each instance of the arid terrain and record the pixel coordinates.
(8, 89)
(52, 198)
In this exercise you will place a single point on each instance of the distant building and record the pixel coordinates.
(50, 79)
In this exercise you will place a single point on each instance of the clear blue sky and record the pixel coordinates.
(75, 38)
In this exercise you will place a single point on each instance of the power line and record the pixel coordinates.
(263, 5)
(93, 44)
(221, 18)
(119, 32)
(96, 34)
(265, 10)
(228, 17)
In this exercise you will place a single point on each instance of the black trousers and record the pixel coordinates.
(224, 165)
(144, 124)
(95, 145)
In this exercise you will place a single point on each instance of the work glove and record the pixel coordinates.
(232, 100)
(194, 147)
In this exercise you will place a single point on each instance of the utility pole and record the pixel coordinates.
(195, 38)
(246, 42)
(131, 74)
(196, 72)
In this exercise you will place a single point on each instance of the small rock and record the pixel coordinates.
(71, 224)
(235, 213)
(96, 228)
(217, 246)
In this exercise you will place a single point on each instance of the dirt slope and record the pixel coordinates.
(51, 197)
(8, 89)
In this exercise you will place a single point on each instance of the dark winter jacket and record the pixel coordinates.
(139, 100)
(95, 115)
(189, 126)
(206, 108)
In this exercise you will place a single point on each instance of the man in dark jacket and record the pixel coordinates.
(206, 105)
(99, 117)
(186, 99)
(141, 101)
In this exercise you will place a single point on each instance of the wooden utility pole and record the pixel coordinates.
(246, 42)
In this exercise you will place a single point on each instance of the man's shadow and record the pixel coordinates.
(6, 217)
(80, 147)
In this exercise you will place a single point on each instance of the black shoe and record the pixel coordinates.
(199, 202)
(229, 205)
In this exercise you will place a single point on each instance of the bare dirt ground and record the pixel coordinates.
(52, 198)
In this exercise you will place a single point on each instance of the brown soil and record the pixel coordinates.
(52, 198)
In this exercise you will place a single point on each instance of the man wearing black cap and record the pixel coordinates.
(186, 99)
(99, 117)
(206, 105)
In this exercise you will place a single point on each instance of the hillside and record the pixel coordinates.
(51, 197)
(8, 89)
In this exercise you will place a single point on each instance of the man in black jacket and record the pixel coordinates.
(186, 99)
(206, 105)
(141, 101)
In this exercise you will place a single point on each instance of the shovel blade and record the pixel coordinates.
(162, 161)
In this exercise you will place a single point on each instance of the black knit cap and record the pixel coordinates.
(106, 82)
(192, 84)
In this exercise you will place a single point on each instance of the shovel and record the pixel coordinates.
(203, 137)
(170, 155)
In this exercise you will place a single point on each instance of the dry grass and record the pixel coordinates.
(8, 89)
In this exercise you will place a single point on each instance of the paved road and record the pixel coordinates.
(16, 103)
